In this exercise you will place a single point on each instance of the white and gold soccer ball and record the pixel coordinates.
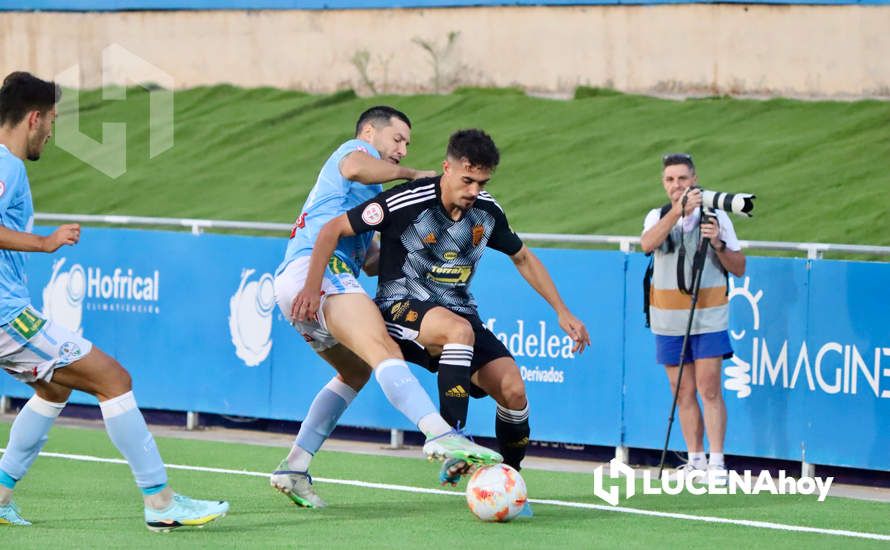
(496, 493)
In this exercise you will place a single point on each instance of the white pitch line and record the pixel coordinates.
(563, 503)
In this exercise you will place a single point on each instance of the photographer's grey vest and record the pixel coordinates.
(669, 306)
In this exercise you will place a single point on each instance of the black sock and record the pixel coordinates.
(512, 431)
(454, 383)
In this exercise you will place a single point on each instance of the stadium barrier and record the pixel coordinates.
(192, 316)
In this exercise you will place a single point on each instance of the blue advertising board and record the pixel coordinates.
(194, 319)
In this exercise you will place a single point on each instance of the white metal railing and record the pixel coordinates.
(625, 243)
(197, 226)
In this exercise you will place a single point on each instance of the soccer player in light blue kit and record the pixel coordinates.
(349, 332)
(50, 358)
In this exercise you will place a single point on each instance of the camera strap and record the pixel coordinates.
(650, 269)
(698, 261)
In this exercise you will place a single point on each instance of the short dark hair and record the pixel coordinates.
(22, 93)
(672, 159)
(476, 147)
(380, 115)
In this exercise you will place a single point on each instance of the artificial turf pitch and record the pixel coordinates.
(77, 503)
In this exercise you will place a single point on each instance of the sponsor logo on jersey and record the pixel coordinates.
(372, 214)
(458, 392)
(299, 224)
(430, 239)
(398, 310)
(458, 274)
(478, 233)
(450, 255)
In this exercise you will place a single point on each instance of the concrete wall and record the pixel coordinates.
(815, 51)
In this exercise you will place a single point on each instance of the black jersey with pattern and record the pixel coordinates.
(424, 254)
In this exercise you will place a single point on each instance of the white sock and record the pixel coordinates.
(716, 460)
(433, 425)
(698, 460)
(298, 460)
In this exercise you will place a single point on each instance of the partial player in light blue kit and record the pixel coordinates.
(348, 331)
(50, 358)
(332, 195)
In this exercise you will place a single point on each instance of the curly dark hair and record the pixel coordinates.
(476, 147)
(22, 93)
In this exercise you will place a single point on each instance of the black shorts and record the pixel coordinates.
(403, 323)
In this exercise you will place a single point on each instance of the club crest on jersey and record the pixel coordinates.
(411, 317)
(450, 255)
(478, 233)
(372, 214)
(430, 239)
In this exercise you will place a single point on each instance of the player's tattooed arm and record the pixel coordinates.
(28, 242)
(534, 272)
(307, 301)
(363, 168)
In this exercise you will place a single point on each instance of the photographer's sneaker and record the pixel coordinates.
(683, 471)
(9, 515)
(297, 486)
(185, 512)
(454, 444)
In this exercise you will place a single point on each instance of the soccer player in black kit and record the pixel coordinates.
(433, 233)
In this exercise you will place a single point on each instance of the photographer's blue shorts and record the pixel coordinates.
(700, 346)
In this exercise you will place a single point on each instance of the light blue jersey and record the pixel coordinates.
(16, 213)
(331, 196)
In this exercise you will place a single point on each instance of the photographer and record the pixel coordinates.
(673, 234)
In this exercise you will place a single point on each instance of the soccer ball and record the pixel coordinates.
(496, 493)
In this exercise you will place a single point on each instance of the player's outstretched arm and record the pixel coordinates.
(306, 302)
(28, 242)
(363, 168)
(533, 271)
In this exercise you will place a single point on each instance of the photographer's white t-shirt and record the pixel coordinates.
(727, 231)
